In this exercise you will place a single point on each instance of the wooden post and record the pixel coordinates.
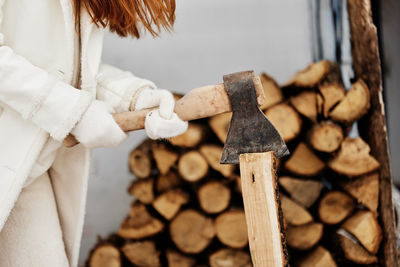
(261, 205)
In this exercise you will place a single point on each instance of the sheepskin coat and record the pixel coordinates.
(37, 102)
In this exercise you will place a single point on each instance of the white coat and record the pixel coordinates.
(37, 101)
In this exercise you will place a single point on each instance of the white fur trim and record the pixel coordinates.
(156, 127)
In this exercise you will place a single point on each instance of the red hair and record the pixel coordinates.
(125, 16)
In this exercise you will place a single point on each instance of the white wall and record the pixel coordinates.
(211, 38)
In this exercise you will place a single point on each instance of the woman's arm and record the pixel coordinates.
(53, 105)
(119, 88)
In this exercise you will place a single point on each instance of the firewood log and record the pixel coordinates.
(331, 93)
(230, 257)
(304, 162)
(319, 257)
(311, 76)
(286, 120)
(272, 91)
(354, 105)
(191, 231)
(334, 207)
(365, 227)
(164, 158)
(365, 190)
(306, 104)
(220, 125)
(140, 160)
(142, 189)
(212, 153)
(326, 137)
(355, 252)
(353, 158)
(214, 197)
(169, 203)
(105, 255)
(305, 192)
(139, 223)
(231, 229)
(293, 213)
(176, 259)
(142, 254)
(320, 104)
(192, 166)
(167, 182)
(191, 138)
(304, 237)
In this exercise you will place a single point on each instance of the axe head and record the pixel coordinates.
(249, 131)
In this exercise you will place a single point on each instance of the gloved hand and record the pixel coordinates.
(161, 122)
(97, 127)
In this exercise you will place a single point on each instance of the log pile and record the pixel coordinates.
(188, 209)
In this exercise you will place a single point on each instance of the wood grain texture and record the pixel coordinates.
(366, 63)
(261, 205)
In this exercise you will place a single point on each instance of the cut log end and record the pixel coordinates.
(164, 158)
(230, 257)
(311, 76)
(305, 192)
(293, 213)
(272, 91)
(334, 207)
(105, 255)
(220, 125)
(286, 121)
(143, 190)
(304, 237)
(191, 138)
(192, 166)
(212, 153)
(176, 259)
(304, 162)
(331, 93)
(306, 104)
(231, 229)
(214, 197)
(191, 232)
(365, 190)
(319, 257)
(354, 252)
(140, 161)
(169, 203)
(142, 254)
(326, 137)
(167, 182)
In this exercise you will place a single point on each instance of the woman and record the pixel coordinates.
(51, 84)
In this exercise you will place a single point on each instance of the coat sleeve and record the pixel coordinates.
(38, 96)
(119, 88)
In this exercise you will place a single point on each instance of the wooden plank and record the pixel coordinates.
(261, 205)
(366, 63)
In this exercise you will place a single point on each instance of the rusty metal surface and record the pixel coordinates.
(250, 131)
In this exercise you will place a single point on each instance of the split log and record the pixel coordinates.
(192, 166)
(334, 207)
(176, 259)
(105, 255)
(319, 257)
(212, 153)
(140, 160)
(355, 252)
(331, 93)
(169, 203)
(191, 232)
(293, 213)
(304, 162)
(306, 104)
(353, 158)
(365, 190)
(164, 158)
(286, 120)
(320, 104)
(214, 197)
(191, 138)
(167, 182)
(305, 192)
(365, 227)
(142, 254)
(231, 229)
(139, 224)
(220, 125)
(272, 91)
(230, 257)
(311, 76)
(142, 190)
(304, 237)
(326, 137)
(354, 105)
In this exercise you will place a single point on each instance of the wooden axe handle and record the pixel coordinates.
(199, 103)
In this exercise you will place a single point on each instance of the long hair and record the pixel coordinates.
(125, 17)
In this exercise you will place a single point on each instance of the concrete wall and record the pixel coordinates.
(211, 38)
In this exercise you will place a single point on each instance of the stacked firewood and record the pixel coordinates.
(188, 209)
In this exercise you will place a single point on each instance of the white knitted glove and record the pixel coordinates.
(161, 122)
(97, 128)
